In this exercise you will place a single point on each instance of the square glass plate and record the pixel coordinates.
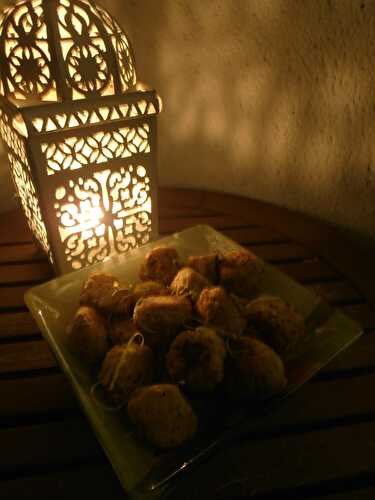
(141, 469)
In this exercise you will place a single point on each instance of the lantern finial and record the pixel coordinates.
(80, 53)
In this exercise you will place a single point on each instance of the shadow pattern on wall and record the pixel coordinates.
(270, 99)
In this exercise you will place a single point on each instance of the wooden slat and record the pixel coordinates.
(56, 442)
(176, 211)
(281, 252)
(42, 394)
(12, 297)
(317, 402)
(35, 355)
(94, 482)
(308, 436)
(23, 356)
(20, 253)
(168, 226)
(365, 493)
(284, 462)
(305, 448)
(255, 236)
(99, 481)
(310, 409)
(358, 357)
(17, 324)
(333, 243)
(50, 392)
(309, 271)
(172, 197)
(362, 313)
(14, 229)
(34, 272)
(321, 402)
(313, 234)
(337, 292)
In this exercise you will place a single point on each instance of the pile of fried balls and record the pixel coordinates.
(187, 328)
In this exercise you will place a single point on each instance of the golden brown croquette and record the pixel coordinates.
(121, 329)
(206, 265)
(149, 289)
(218, 310)
(87, 335)
(240, 272)
(277, 324)
(159, 318)
(253, 369)
(160, 264)
(125, 368)
(103, 291)
(197, 358)
(188, 282)
(162, 415)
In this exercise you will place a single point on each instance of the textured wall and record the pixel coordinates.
(273, 99)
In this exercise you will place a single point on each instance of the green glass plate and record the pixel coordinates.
(142, 470)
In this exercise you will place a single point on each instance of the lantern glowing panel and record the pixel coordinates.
(79, 130)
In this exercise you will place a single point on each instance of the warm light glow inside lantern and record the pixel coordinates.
(79, 130)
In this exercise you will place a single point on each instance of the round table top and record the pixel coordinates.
(317, 444)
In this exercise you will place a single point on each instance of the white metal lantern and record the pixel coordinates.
(80, 132)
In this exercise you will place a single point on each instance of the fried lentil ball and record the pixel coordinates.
(240, 302)
(125, 368)
(253, 370)
(162, 415)
(160, 264)
(188, 282)
(121, 301)
(206, 265)
(160, 318)
(218, 310)
(87, 335)
(276, 323)
(97, 286)
(197, 357)
(121, 329)
(240, 272)
(102, 291)
(148, 289)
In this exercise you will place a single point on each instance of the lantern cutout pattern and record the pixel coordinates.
(79, 131)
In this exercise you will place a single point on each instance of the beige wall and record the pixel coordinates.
(273, 99)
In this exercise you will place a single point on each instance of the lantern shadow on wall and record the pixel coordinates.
(80, 132)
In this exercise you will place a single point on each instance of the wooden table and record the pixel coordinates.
(320, 443)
